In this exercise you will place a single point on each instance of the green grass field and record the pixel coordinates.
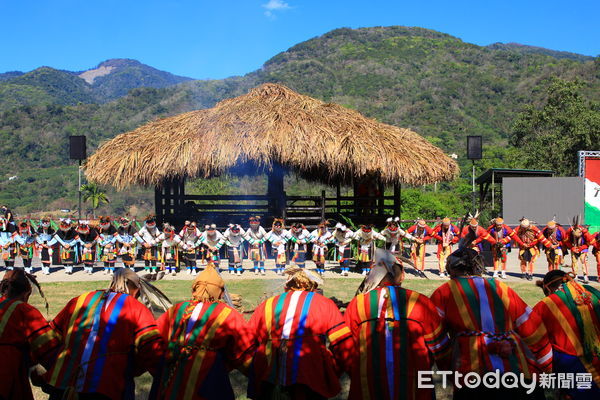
(253, 291)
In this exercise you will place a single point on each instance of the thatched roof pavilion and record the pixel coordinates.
(270, 126)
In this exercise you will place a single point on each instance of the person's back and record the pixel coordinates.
(25, 338)
(292, 331)
(206, 338)
(109, 338)
(571, 314)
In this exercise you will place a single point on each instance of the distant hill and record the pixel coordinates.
(108, 81)
(428, 81)
(523, 48)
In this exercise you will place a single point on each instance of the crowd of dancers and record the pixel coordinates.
(107, 244)
(296, 344)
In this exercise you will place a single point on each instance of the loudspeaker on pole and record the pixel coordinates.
(474, 151)
(77, 148)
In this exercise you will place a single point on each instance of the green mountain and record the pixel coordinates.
(431, 82)
(108, 81)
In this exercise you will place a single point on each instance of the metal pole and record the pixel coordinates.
(473, 196)
(493, 191)
(79, 190)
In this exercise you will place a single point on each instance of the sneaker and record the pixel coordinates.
(495, 274)
(189, 271)
(239, 273)
(523, 276)
(585, 279)
(503, 274)
(262, 272)
(195, 272)
(89, 272)
(255, 272)
(529, 277)
(105, 271)
(364, 272)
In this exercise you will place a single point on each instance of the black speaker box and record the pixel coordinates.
(474, 151)
(77, 150)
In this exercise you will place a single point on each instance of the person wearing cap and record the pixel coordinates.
(206, 338)
(578, 240)
(190, 240)
(68, 239)
(503, 235)
(303, 342)
(88, 240)
(490, 326)
(212, 240)
(555, 234)
(26, 337)
(234, 239)
(571, 314)
(320, 237)
(25, 242)
(473, 235)
(342, 238)
(147, 237)
(7, 243)
(528, 236)
(446, 234)
(107, 242)
(299, 237)
(255, 236)
(169, 248)
(278, 236)
(422, 233)
(46, 243)
(126, 243)
(397, 332)
(365, 237)
(109, 338)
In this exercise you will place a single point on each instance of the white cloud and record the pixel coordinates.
(275, 5)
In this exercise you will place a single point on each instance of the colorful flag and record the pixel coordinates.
(592, 193)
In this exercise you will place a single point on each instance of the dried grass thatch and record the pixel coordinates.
(271, 124)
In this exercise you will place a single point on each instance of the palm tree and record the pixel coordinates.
(96, 196)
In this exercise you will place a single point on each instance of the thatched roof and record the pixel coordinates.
(270, 124)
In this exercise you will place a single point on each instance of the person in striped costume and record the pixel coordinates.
(25, 336)
(490, 325)
(503, 235)
(303, 342)
(579, 241)
(299, 238)
(211, 240)
(109, 338)
(255, 236)
(397, 333)
(278, 236)
(25, 242)
(528, 237)
(342, 238)
(446, 234)
(571, 314)
(206, 338)
(234, 239)
(422, 233)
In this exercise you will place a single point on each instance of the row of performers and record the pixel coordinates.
(297, 344)
(85, 244)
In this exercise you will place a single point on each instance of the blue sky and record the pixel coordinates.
(216, 39)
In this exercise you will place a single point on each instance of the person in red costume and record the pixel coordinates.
(109, 338)
(446, 235)
(26, 337)
(529, 236)
(578, 240)
(421, 233)
(473, 235)
(206, 338)
(303, 343)
(555, 253)
(503, 235)
(398, 333)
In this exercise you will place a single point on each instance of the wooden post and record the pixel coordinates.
(397, 200)
(322, 205)
(381, 200)
(338, 194)
(275, 189)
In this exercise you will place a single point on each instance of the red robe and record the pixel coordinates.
(476, 237)
(491, 327)
(565, 319)
(399, 333)
(109, 338)
(291, 331)
(204, 342)
(25, 339)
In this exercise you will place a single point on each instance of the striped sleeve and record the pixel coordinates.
(149, 345)
(435, 334)
(44, 341)
(530, 328)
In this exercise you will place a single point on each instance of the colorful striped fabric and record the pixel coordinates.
(109, 338)
(302, 339)
(493, 329)
(26, 339)
(569, 319)
(205, 341)
(396, 330)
